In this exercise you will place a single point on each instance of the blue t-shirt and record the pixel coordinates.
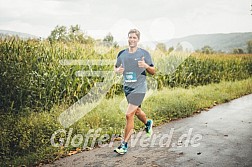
(134, 76)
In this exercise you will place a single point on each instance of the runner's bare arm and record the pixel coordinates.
(151, 70)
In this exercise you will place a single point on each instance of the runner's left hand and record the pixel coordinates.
(142, 64)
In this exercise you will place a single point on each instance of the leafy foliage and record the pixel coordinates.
(25, 137)
(73, 34)
(207, 50)
(35, 88)
(161, 46)
(238, 51)
(32, 76)
(249, 46)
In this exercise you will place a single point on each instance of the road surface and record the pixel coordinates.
(219, 137)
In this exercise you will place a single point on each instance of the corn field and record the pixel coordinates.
(32, 76)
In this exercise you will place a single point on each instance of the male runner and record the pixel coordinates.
(133, 63)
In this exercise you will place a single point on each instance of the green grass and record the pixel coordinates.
(25, 138)
(179, 103)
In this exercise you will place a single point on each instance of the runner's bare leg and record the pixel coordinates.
(131, 110)
(141, 115)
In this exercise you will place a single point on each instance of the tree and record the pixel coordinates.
(74, 34)
(170, 49)
(179, 47)
(238, 51)
(161, 46)
(249, 46)
(207, 50)
(108, 40)
(58, 34)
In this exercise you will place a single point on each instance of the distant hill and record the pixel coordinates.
(4, 33)
(219, 42)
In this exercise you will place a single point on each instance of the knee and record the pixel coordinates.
(130, 115)
(139, 112)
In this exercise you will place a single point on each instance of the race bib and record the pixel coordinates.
(130, 77)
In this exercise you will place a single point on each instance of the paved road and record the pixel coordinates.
(220, 137)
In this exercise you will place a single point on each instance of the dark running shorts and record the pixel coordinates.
(133, 98)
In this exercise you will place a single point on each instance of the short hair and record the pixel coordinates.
(135, 31)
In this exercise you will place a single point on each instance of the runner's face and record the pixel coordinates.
(133, 40)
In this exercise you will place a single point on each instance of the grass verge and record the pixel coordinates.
(26, 137)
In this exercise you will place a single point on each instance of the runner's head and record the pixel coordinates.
(133, 38)
(135, 31)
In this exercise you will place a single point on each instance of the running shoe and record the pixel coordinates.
(122, 149)
(148, 128)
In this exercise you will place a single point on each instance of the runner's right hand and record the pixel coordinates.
(120, 69)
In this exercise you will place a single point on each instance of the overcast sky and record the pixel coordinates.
(156, 19)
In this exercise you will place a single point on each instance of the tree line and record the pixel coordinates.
(205, 49)
(75, 34)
